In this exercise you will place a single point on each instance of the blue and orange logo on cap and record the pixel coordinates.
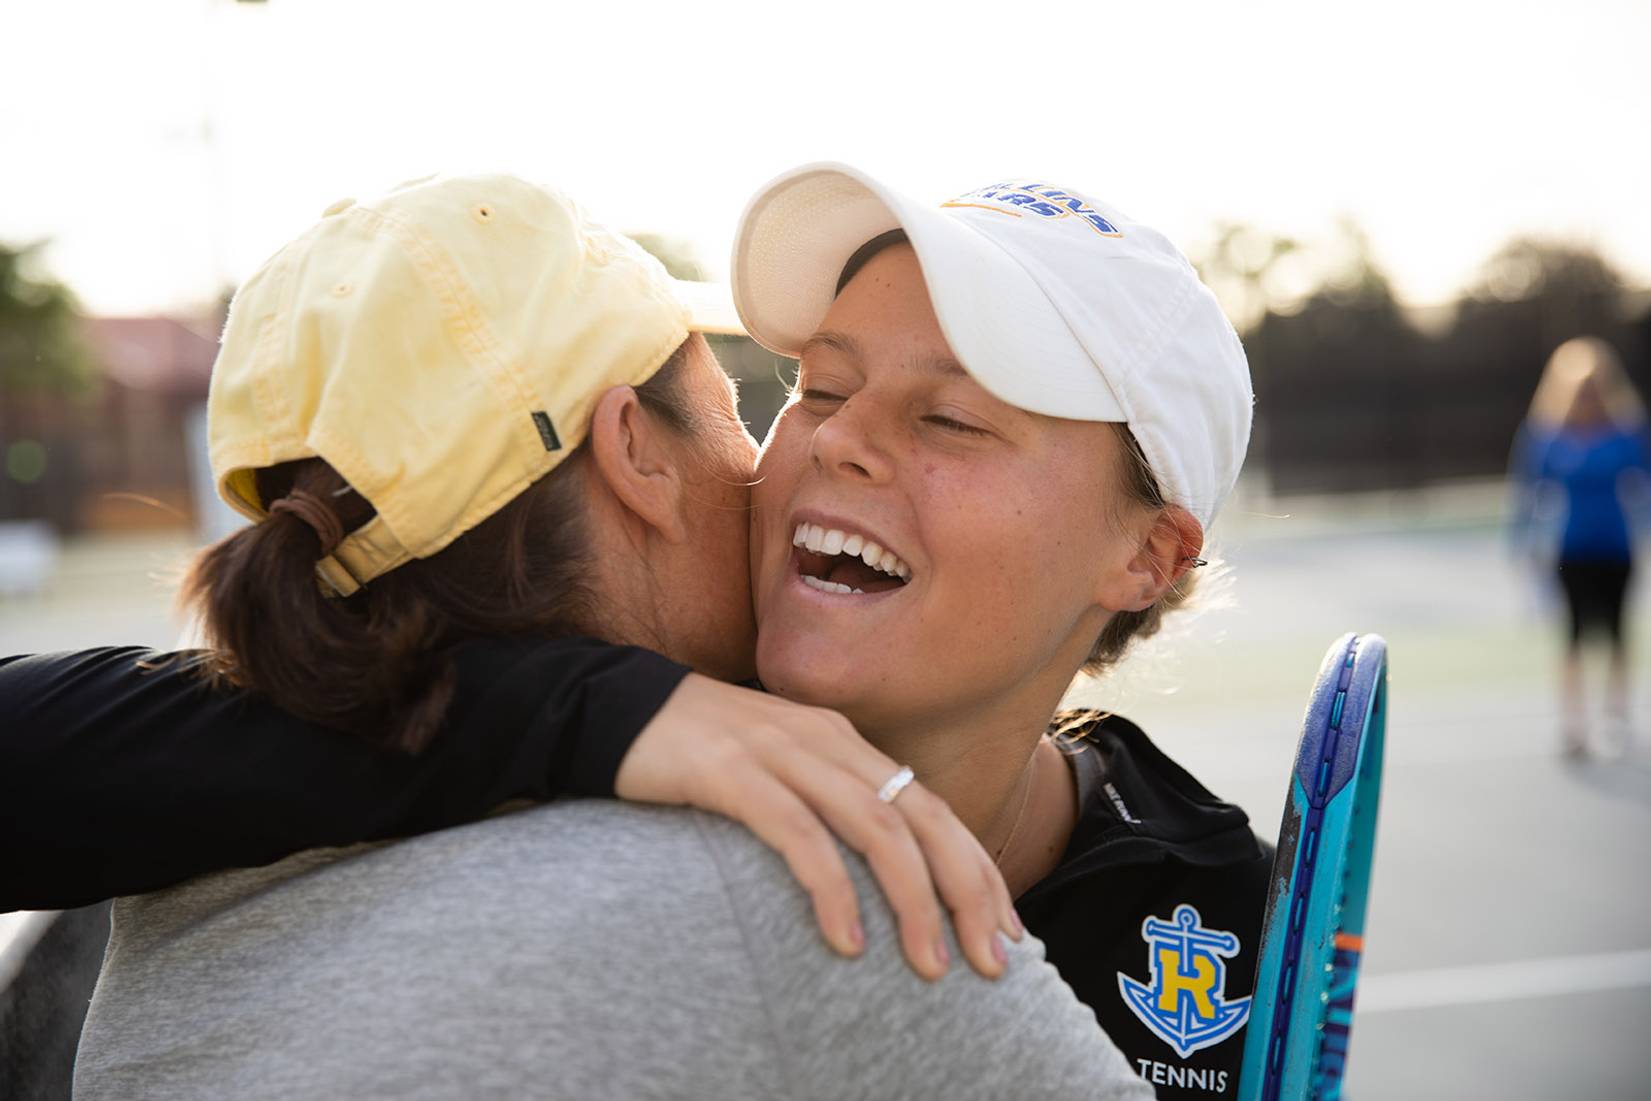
(1018, 198)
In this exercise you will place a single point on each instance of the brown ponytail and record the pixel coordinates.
(378, 663)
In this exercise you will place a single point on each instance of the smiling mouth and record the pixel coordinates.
(832, 560)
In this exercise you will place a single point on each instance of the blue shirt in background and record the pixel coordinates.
(1588, 467)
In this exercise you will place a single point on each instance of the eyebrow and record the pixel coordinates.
(848, 346)
(837, 342)
(946, 365)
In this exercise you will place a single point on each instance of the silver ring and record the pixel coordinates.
(894, 785)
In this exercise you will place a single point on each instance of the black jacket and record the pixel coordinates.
(116, 779)
(1153, 915)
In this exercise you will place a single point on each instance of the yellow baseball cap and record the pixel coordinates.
(442, 347)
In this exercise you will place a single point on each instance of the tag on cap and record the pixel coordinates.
(547, 431)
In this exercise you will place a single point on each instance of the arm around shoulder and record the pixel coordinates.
(122, 770)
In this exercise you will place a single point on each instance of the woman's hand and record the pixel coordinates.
(794, 775)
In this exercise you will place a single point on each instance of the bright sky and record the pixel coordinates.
(1443, 127)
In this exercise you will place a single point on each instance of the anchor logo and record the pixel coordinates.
(1183, 1004)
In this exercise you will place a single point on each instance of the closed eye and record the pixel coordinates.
(955, 426)
(811, 394)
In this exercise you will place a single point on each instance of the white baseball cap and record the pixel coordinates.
(1055, 302)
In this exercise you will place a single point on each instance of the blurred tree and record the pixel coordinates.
(1237, 268)
(1354, 277)
(41, 343)
(1351, 395)
(1529, 267)
(45, 367)
(1335, 372)
(1530, 296)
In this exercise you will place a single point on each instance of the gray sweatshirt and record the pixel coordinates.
(578, 950)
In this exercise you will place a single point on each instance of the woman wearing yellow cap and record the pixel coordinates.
(1016, 415)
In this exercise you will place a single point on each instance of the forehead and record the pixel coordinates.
(883, 319)
(888, 298)
(883, 316)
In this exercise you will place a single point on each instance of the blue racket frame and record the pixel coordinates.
(1302, 1014)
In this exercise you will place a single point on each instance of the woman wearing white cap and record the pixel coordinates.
(1030, 404)
(953, 521)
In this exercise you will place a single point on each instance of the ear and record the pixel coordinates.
(635, 463)
(1170, 547)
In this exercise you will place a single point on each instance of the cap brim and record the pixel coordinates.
(800, 230)
(710, 307)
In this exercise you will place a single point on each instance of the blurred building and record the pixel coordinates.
(115, 455)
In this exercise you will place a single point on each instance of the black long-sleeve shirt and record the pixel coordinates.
(115, 781)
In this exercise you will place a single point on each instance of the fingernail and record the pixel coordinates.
(999, 953)
(857, 936)
(942, 956)
(1020, 928)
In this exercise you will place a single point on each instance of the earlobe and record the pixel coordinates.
(635, 465)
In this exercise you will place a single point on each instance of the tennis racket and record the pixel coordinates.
(1313, 935)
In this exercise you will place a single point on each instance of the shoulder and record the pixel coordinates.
(101, 665)
(1635, 442)
(871, 1027)
(118, 688)
(543, 864)
(1149, 838)
(548, 932)
(1125, 779)
(1155, 851)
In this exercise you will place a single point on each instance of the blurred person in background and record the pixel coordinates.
(1582, 470)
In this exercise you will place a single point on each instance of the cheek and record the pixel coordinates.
(1031, 556)
(784, 456)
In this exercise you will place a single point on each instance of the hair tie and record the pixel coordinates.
(322, 520)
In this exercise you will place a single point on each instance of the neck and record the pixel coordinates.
(995, 771)
(625, 588)
(980, 773)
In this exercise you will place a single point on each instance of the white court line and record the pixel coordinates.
(1503, 982)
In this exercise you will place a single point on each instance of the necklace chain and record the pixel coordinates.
(1025, 798)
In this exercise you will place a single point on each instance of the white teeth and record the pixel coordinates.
(830, 586)
(819, 540)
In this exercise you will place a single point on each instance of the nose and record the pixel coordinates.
(846, 445)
